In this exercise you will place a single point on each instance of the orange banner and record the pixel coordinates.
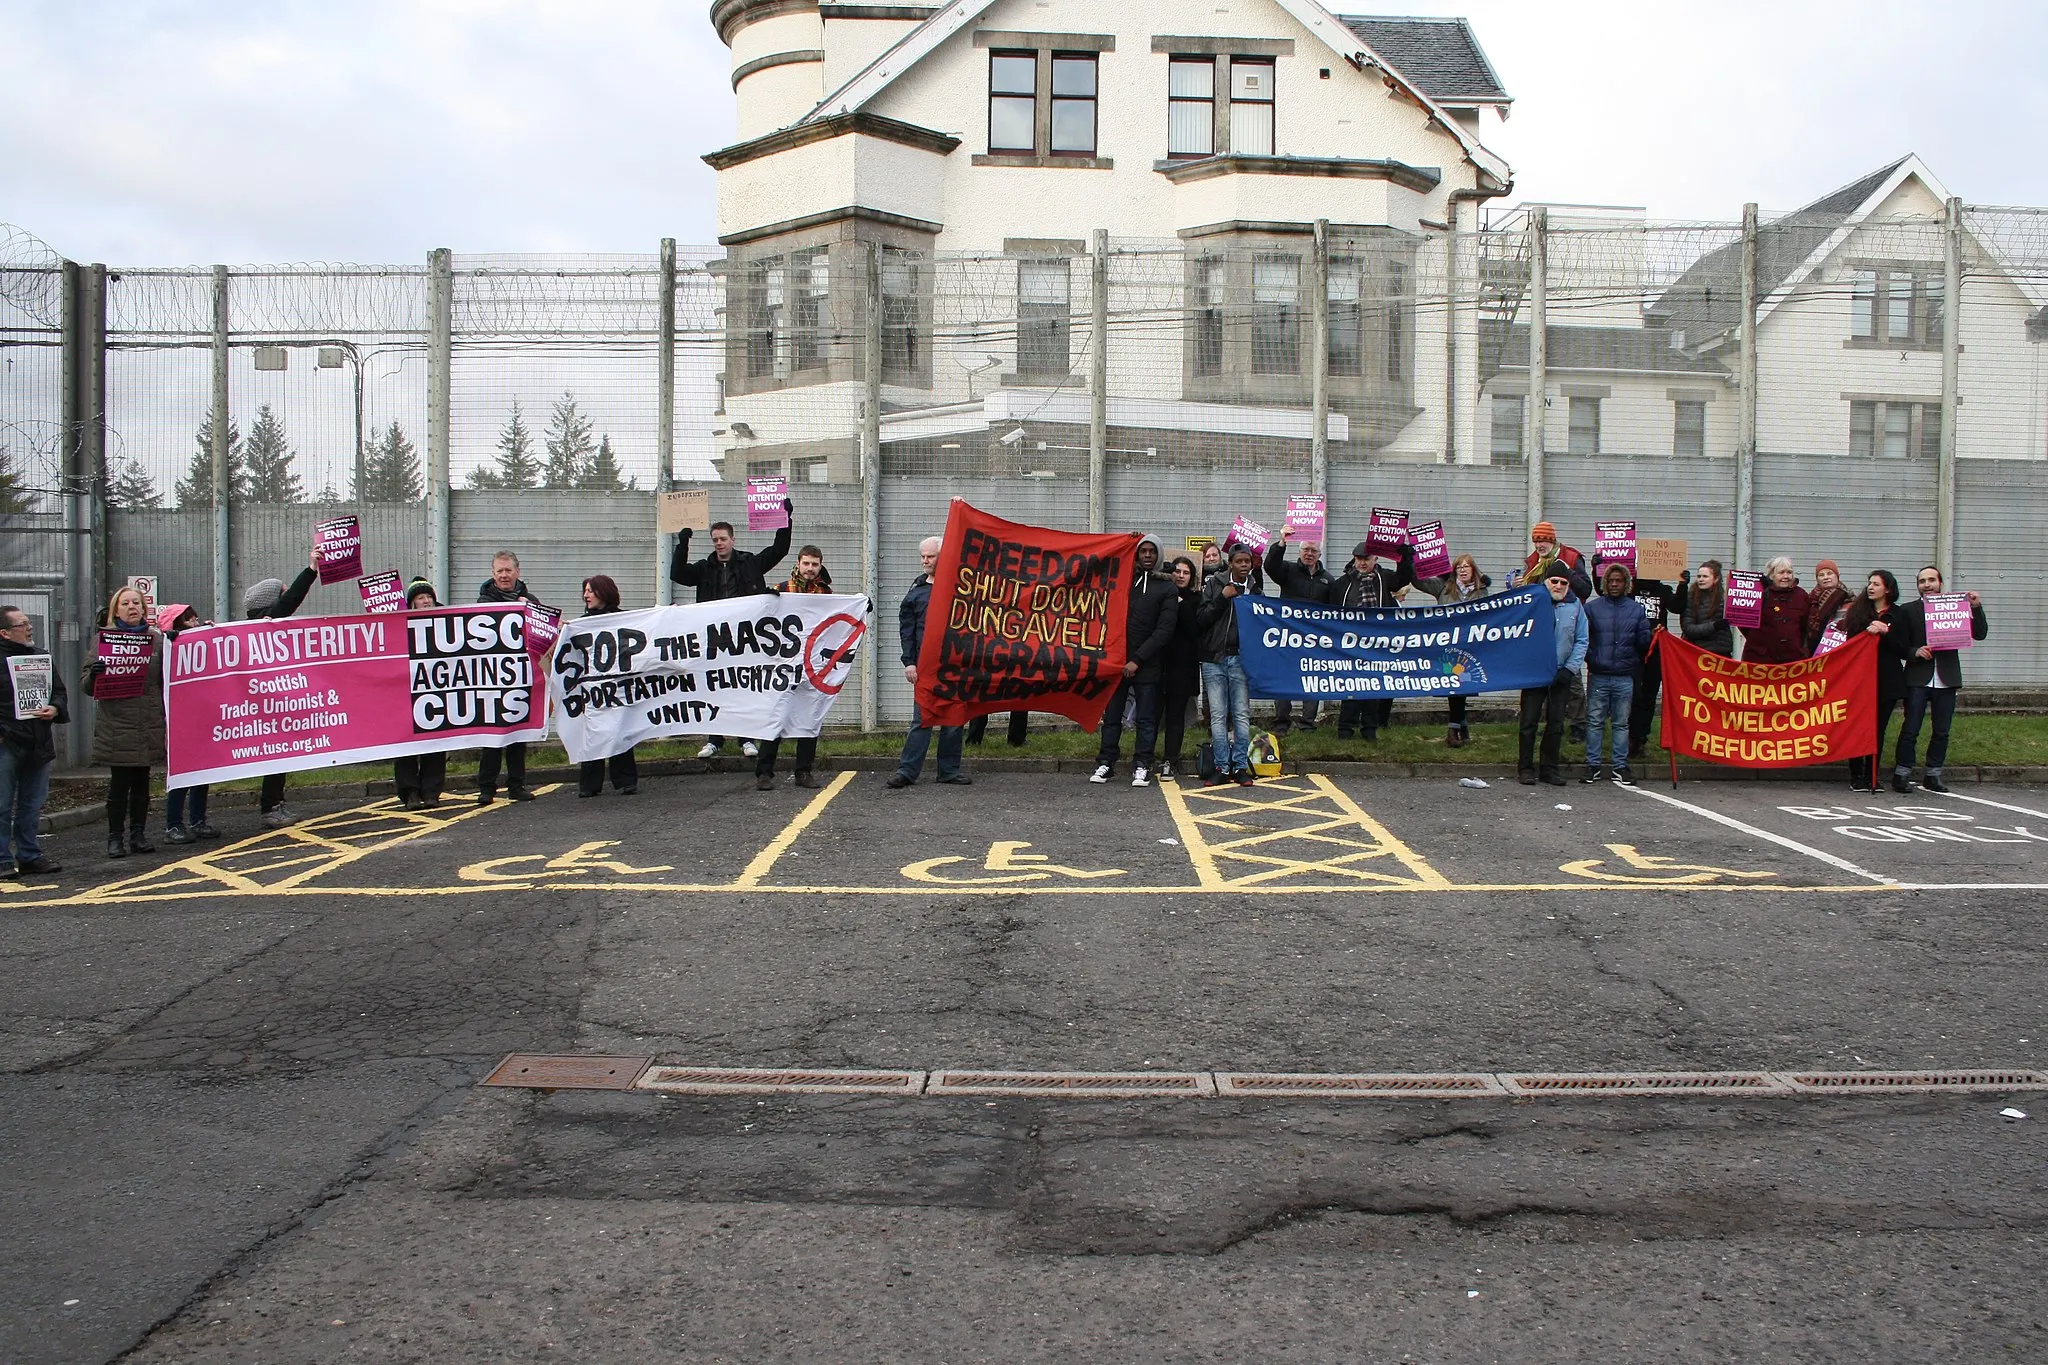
(1769, 715)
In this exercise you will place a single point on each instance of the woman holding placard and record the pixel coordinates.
(126, 681)
(1464, 583)
(1703, 617)
(1877, 612)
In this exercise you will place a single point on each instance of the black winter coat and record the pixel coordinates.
(1296, 582)
(1180, 670)
(1947, 664)
(910, 618)
(294, 595)
(491, 592)
(1375, 588)
(1149, 624)
(1704, 622)
(744, 575)
(32, 742)
(1216, 619)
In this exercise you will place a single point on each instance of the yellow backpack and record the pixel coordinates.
(1264, 754)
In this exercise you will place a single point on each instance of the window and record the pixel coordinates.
(1205, 305)
(1013, 102)
(902, 349)
(1191, 107)
(1895, 306)
(1583, 435)
(811, 280)
(1895, 431)
(764, 469)
(1397, 322)
(1044, 318)
(1689, 427)
(1251, 106)
(764, 321)
(1862, 304)
(1347, 341)
(1073, 104)
(1506, 447)
(1276, 315)
(809, 469)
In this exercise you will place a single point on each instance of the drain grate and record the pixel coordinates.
(734, 1080)
(1863, 1082)
(1643, 1083)
(540, 1071)
(1098, 1084)
(1385, 1086)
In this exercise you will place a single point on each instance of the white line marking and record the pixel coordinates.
(1971, 886)
(1731, 822)
(1957, 796)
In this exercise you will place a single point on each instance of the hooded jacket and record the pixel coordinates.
(1781, 636)
(1296, 582)
(743, 575)
(1152, 615)
(1618, 630)
(32, 742)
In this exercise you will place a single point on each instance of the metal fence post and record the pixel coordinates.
(1319, 361)
(1098, 384)
(440, 364)
(871, 488)
(1745, 411)
(83, 485)
(1951, 358)
(223, 455)
(665, 417)
(1533, 420)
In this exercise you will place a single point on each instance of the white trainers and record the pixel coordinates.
(277, 817)
(1166, 773)
(709, 750)
(1141, 777)
(750, 749)
(1101, 774)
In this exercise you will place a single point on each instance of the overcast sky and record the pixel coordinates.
(192, 131)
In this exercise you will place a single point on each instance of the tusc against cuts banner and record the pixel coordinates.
(769, 666)
(1490, 644)
(263, 697)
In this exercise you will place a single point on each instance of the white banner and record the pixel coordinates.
(764, 667)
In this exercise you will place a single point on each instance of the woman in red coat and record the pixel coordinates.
(1780, 638)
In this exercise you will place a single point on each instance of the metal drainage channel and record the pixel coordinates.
(544, 1072)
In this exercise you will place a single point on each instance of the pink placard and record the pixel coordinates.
(1388, 529)
(1831, 639)
(1614, 542)
(765, 497)
(339, 545)
(543, 628)
(1432, 550)
(382, 592)
(1745, 599)
(124, 665)
(1308, 518)
(261, 697)
(1250, 534)
(1948, 620)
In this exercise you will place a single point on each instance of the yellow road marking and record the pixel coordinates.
(1006, 858)
(764, 861)
(1693, 873)
(1332, 819)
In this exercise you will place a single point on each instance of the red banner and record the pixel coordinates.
(1023, 619)
(1769, 715)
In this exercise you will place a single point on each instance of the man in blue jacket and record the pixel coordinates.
(1545, 706)
(1618, 635)
(910, 626)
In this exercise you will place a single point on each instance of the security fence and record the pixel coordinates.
(1885, 405)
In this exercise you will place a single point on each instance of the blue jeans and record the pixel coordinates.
(952, 743)
(1608, 697)
(1147, 720)
(184, 802)
(1230, 713)
(23, 788)
(1919, 700)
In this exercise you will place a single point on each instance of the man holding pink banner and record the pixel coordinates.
(1940, 623)
(505, 585)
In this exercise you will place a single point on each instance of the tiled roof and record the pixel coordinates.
(1440, 55)
(1629, 350)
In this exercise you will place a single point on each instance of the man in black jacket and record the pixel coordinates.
(1366, 583)
(28, 750)
(504, 585)
(1305, 580)
(1933, 677)
(910, 633)
(1223, 677)
(271, 600)
(1149, 622)
(727, 572)
(1658, 600)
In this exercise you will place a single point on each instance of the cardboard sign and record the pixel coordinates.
(1661, 559)
(765, 497)
(1388, 529)
(30, 675)
(1432, 550)
(1309, 518)
(1614, 542)
(1948, 620)
(1745, 605)
(687, 509)
(339, 547)
(146, 585)
(1248, 533)
(124, 664)
(382, 592)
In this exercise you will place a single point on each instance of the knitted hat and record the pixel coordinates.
(1543, 530)
(262, 596)
(418, 586)
(1828, 564)
(168, 614)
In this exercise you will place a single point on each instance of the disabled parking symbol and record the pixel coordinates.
(1007, 863)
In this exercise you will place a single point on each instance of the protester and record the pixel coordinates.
(1545, 549)
(1703, 611)
(1020, 729)
(1464, 583)
(601, 598)
(1877, 612)
(910, 621)
(1223, 677)
(809, 576)
(271, 600)
(419, 778)
(1617, 640)
(28, 750)
(1366, 584)
(1933, 677)
(1780, 635)
(1545, 706)
(1305, 580)
(1151, 613)
(725, 573)
(1660, 601)
(1823, 604)
(1212, 560)
(128, 732)
(504, 585)
(184, 807)
(1180, 668)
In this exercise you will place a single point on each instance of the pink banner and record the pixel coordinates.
(1388, 529)
(1432, 550)
(1250, 534)
(279, 696)
(1745, 599)
(124, 665)
(1948, 620)
(1614, 542)
(382, 592)
(765, 497)
(339, 546)
(1308, 517)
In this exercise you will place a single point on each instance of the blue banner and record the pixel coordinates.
(1501, 643)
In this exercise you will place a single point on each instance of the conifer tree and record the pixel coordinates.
(517, 467)
(196, 488)
(568, 444)
(391, 469)
(132, 489)
(268, 455)
(603, 474)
